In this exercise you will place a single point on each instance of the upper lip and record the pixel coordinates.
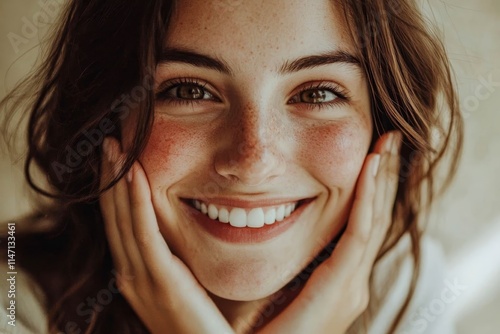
(240, 203)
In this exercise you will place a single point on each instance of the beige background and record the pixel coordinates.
(466, 220)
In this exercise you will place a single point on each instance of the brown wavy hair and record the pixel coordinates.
(103, 53)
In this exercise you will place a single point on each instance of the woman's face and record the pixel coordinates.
(253, 124)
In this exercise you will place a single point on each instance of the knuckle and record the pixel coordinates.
(364, 297)
(136, 201)
(360, 301)
(392, 176)
(357, 233)
(364, 301)
(363, 238)
(362, 232)
(142, 239)
(123, 285)
(124, 279)
(381, 218)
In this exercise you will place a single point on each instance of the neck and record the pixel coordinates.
(249, 316)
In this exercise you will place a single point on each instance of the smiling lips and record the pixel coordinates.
(239, 217)
(245, 221)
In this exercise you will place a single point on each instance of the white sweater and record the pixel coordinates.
(427, 314)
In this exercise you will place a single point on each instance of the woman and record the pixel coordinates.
(260, 159)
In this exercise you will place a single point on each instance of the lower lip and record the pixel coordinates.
(228, 233)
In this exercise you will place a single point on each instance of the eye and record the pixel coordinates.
(184, 89)
(192, 92)
(317, 96)
(322, 93)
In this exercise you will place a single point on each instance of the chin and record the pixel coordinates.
(243, 280)
(248, 291)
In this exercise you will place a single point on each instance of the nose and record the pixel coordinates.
(252, 155)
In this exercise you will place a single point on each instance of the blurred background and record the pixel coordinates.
(466, 221)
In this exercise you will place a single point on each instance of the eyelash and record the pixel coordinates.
(340, 93)
(162, 96)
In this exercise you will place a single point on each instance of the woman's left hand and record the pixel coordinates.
(337, 292)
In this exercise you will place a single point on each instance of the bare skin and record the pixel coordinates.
(283, 109)
(267, 125)
(167, 296)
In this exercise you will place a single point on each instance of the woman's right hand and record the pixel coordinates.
(157, 284)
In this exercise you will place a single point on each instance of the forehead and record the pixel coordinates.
(264, 31)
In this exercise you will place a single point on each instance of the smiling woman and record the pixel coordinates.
(265, 162)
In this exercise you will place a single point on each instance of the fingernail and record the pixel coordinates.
(375, 164)
(389, 142)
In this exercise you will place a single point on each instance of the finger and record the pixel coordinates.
(124, 219)
(340, 274)
(334, 277)
(170, 274)
(106, 202)
(381, 179)
(150, 241)
(353, 245)
(389, 176)
(369, 192)
(380, 217)
(348, 253)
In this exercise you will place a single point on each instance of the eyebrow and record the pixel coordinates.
(332, 57)
(190, 57)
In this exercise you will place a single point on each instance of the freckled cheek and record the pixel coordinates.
(334, 154)
(170, 153)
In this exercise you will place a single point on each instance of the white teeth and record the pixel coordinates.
(255, 218)
(280, 213)
(270, 217)
(238, 217)
(224, 216)
(212, 211)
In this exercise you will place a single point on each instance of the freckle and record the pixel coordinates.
(163, 147)
(325, 144)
